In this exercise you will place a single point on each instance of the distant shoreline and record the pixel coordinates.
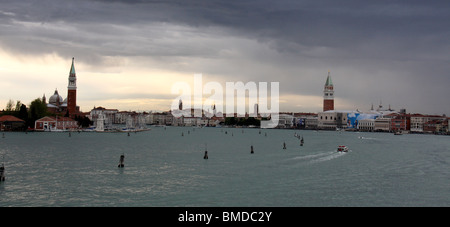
(117, 130)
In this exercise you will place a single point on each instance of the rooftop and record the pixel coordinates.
(55, 119)
(10, 118)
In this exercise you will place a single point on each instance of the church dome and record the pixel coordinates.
(55, 99)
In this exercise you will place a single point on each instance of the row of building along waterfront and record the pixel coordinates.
(370, 121)
(65, 112)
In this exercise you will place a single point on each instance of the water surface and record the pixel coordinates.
(164, 168)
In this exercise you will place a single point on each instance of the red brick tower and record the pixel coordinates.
(72, 91)
(328, 94)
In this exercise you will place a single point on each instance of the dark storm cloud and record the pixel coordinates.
(345, 25)
(375, 50)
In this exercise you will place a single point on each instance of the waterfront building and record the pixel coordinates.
(202, 122)
(160, 118)
(305, 120)
(177, 121)
(120, 117)
(438, 126)
(446, 124)
(382, 124)
(10, 123)
(285, 121)
(418, 121)
(311, 122)
(55, 124)
(366, 125)
(431, 126)
(399, 121)
(332, 119)
(190, 121)
(168, 118)
(398, 124)
(99, 115)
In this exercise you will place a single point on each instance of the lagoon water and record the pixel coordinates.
(164, 168)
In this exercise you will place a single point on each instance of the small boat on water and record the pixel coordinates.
(398, 133)
(342, 148)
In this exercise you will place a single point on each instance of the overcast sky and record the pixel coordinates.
(128, 54)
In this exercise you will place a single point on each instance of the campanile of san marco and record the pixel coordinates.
(328, 94)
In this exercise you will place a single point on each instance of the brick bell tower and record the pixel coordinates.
(72, 91)
(328, 94)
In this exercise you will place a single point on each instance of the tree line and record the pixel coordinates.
(242, 121)
(36, 110)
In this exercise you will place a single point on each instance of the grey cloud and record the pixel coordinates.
(375, 50)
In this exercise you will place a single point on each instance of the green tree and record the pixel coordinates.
(9, 105)
(23, 112)
(18, 105)
(230, 121)
(37, 110)
(253, 121)
(83, 121)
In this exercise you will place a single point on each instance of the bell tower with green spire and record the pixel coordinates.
(72, 91)
(328, 94)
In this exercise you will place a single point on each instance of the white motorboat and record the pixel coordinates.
(342, 148)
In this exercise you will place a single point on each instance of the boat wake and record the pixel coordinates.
(329, 156)
(367, 138)
(312, 156)
(320, 157)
